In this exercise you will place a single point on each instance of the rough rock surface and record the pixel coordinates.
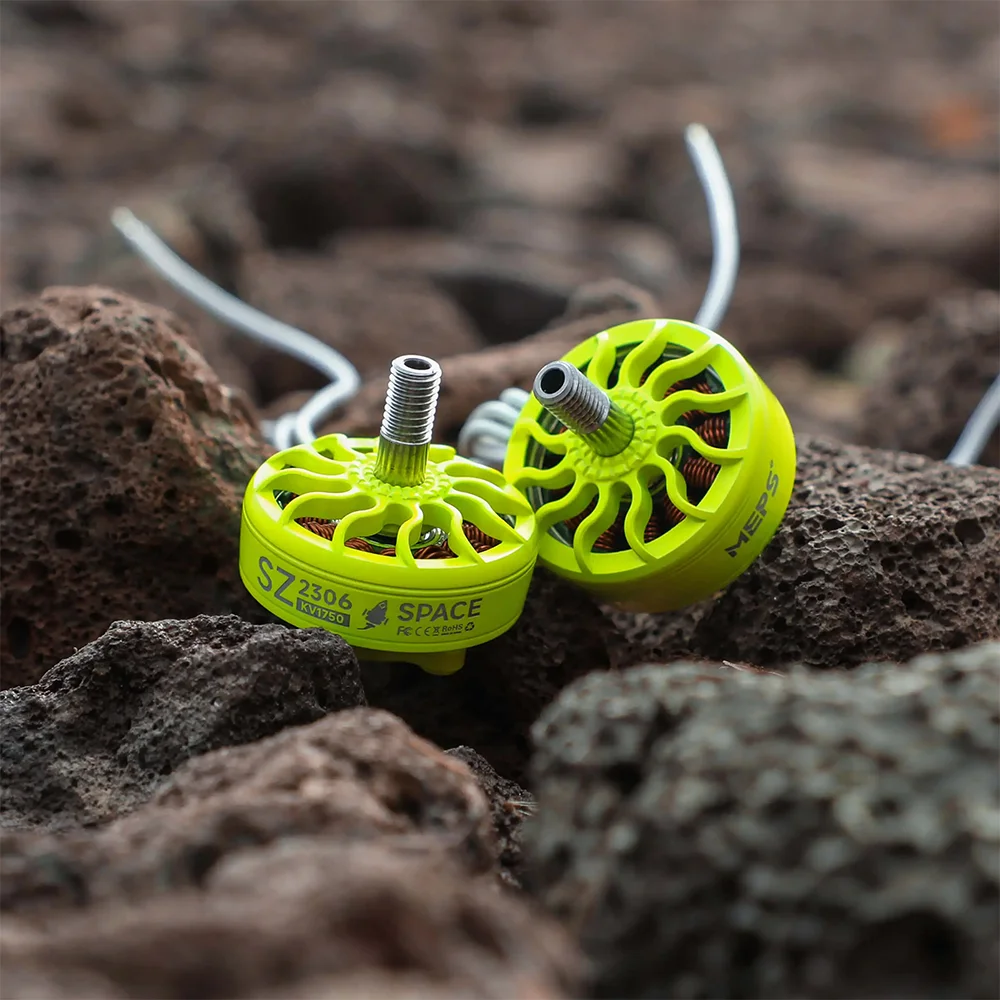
(96, 735)
(355, 774)
(125, 462)
(935, 378)
(509, 805)
(286, 917)
(882, 555)
(826, 835)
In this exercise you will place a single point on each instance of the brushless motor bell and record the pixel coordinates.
(658, 463)
(409, 552)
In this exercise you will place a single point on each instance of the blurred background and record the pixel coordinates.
(396, 175)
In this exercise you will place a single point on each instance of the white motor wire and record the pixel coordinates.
(485, 434)
(290, 428)
(980, 425)
(722, 218)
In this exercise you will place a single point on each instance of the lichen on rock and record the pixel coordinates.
(722, 833)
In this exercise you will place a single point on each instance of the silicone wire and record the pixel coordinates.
(485, 434)
(976, 433)
(722, 219)
(343, 376)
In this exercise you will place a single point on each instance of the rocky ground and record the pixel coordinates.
(788, 791)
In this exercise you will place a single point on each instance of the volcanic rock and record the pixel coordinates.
(365, 316)
(332, 910)
(358, 774)
(717, 834)
(103, 728)
(935, 378)
(509, 805)
(125, 462)
(882, 556)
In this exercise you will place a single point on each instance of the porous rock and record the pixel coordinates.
(935, 378)
(827, 835)
(358, 774)
(882, 555)
(125, 462)
(96, 735)
(369, 318)
(294, 917)
(509, 805)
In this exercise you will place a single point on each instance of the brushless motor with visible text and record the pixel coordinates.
(657, 461)
(408, 551)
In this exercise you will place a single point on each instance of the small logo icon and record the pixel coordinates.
(377, 615)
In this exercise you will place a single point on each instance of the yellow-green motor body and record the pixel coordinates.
(717, 536)
(401, 607)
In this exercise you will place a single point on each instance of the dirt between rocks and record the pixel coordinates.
(201, 802)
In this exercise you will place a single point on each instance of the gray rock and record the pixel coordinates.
(712, 833)
(96, 735)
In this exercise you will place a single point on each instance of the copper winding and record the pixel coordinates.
(325, 528)
(662, 519)
(480, 541)
(608, 540)
(712, 430)
(318, 526)
(359, 545)
(699, 471)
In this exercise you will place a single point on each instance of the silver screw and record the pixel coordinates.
(408, 420)
(583, 407)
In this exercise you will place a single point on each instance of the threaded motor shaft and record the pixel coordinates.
(583, 407)
(408, 420)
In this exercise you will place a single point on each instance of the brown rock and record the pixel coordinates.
(471, 379)
(369, 318)
(126, 460)
(817, 403)
(309, 178)
(355, 774)
(780, 311)
(896, 204)
(509, 805)
(881, 556)
(935, 378)
(508, 289)
(718, 833)
(104, 727)
(202, 214)
(295, 915)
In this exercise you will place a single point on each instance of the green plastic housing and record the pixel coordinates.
(400, 606)
(714, 537)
